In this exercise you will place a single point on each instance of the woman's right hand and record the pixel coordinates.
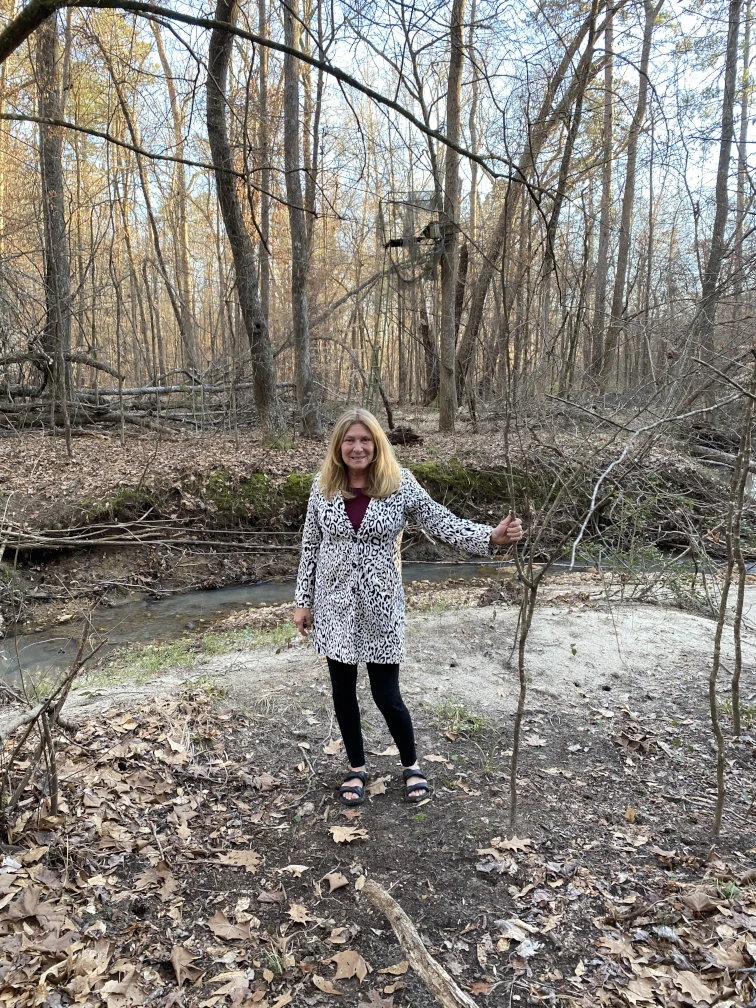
(303, 620)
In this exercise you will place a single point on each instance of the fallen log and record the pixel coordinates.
(433, 975)
(717, 456)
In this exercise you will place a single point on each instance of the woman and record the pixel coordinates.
(349, 588)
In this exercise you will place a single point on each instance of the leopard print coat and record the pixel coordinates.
(352, 580)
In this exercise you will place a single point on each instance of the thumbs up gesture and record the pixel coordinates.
(508, 531)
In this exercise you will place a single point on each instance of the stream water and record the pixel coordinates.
(146, 621)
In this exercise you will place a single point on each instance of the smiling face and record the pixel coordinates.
(357, 449)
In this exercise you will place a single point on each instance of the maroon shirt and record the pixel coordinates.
(356, 507)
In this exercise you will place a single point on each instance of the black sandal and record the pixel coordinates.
(422, 786)
(358, 789)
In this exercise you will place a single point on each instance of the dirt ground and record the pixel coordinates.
(203, 858)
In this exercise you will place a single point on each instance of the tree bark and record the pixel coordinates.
(306, 399)
(447, 395)
(56, 336)
(598, 328)
(242, 249)
(617, 319)
(179, 206)
(710, 292)
(263, 141)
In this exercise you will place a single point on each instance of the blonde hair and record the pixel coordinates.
(383, 474)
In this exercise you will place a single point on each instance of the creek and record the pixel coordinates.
(146, 620)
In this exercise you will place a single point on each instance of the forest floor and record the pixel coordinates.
(202, 857)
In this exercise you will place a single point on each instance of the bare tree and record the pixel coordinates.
(242, 249)
(56, 336)
(306, 399)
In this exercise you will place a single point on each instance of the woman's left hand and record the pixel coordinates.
(508, 531)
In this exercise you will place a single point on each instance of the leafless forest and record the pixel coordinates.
(209, 216)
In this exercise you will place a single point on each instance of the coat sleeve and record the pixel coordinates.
(311, 537)
(441, 522)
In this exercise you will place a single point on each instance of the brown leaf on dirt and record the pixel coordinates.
(349, 963)
(346, 834)
(222, 927)
(336, 880)
(332, 747)
(248, 859)
(376, 787)
(630, 814)
(270, 896)
(435, 759)
(398, 969)
(699, 902)
(376, 1001)
(299, 913)
(284, 999)
(391, 751)
(693, 988)
(181, 960)
(295, 870)
(233, 981)
(480, 987)
(514, 843)
(324, 985)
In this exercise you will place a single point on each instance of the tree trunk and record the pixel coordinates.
(430, 391)
(179, 202)
(710, 292)
(740, 212)
(263, 142)
(242, 250)
(628, 197)
(447, 396)
(605, 212)
(306, 400)
(56, 337)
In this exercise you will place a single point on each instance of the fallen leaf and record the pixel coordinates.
(580, 968)
(398, 969)
(515, 843)
(346, 834)
(336, 880)
(248, 859)
(630, 814)
(270, 896)
(181, 960)
(529, 948)
(295, 870)
(284, 999)
(480, 987)
(699, 902)
(299, 913)
(376, 1001)
(332, 747)
(222, 927)
(349, 963)
(378, 786)
(235, 981)
(324, 985)
(359, 882)
(435, 759)
(534, 740)
(691, 985)
(391, 751)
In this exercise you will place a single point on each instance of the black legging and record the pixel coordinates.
(384, 685)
